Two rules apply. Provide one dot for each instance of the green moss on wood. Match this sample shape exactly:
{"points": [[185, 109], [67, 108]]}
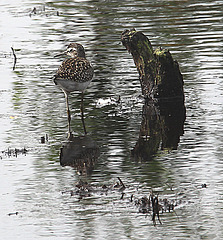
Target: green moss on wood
{"points": [[158, 72]]}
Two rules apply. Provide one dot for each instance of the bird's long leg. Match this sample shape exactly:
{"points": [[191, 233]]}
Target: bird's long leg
{"points": [[82, 112], [68, 114]]}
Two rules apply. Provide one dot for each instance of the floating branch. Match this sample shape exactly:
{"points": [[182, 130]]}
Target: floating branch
{"points": [[42, 11], [149, 204], [13, 152], [14, 213]]}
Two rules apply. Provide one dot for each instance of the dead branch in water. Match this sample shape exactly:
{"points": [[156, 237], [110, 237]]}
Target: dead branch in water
{"points": [[123, 185], [15, 58]]}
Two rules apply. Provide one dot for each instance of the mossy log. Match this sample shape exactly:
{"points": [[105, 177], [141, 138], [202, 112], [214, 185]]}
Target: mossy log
{"points": [[159, 73]]}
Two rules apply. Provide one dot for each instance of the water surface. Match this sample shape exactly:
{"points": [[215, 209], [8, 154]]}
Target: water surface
{"points": [[31, 107]]}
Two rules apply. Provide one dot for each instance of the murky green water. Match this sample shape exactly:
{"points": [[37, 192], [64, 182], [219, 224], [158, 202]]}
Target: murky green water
{"points": [[31, 107]]}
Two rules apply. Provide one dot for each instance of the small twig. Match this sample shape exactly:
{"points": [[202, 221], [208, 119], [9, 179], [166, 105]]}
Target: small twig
{"points": [[123, 185], [14, 213], [15, 58], [122, 196], [155, 206], [34, 11]]}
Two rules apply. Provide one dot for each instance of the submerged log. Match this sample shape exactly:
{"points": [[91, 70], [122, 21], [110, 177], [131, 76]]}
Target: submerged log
{"points": [[159, 73]]}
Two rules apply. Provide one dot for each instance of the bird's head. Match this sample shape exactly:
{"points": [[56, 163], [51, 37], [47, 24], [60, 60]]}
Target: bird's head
{"points": [[75, 50]]}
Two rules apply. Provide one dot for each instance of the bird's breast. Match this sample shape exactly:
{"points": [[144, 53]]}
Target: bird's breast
{"points": [[71, 86]]}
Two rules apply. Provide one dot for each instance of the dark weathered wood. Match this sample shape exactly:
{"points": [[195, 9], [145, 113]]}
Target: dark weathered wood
{"points": [[160, 77], [142, 52], [159, 74], [169, 80], [161, 127]]}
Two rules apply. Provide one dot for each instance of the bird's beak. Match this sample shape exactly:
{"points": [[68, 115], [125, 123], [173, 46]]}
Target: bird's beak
{"points": [[61, 54]]}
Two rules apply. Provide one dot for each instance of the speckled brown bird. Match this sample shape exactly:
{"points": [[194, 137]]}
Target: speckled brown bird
{"points": [[74, 74]]}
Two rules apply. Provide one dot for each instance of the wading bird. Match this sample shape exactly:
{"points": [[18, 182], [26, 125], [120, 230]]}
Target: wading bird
{"points": [[74, 74]]}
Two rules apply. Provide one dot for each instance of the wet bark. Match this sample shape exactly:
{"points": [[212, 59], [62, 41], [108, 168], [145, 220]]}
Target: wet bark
{"points": [[161, 127], [161, 80], [159, 73]]}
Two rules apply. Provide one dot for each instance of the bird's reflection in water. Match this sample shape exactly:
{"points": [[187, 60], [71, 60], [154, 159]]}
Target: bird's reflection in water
{"points": [[81, 153]]}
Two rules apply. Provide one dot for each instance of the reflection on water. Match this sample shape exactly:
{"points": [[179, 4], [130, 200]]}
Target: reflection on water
{"points": [[31, 107], [162, 125], [79, 152]]}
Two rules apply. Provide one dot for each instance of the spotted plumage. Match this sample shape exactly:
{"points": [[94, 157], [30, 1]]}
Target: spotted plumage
{"points": [[75, 69], [74, 74]]}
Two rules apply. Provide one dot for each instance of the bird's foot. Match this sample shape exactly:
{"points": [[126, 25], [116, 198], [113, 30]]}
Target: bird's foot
{"points": [[70, 135]]}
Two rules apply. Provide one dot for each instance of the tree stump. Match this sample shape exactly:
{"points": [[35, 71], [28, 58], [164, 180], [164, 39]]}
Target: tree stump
{"points": [[161, 80], [159, 73]]}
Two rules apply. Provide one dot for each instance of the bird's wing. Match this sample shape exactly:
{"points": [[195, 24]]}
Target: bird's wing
{"points": [[77, 69]]}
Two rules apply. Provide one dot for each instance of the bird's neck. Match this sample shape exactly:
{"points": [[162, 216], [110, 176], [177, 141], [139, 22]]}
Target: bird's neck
{"points": [[81, 54]]}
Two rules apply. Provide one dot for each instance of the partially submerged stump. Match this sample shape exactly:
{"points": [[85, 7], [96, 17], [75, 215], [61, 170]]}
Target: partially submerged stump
{"points": [[161, 79], [159, 74]]}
